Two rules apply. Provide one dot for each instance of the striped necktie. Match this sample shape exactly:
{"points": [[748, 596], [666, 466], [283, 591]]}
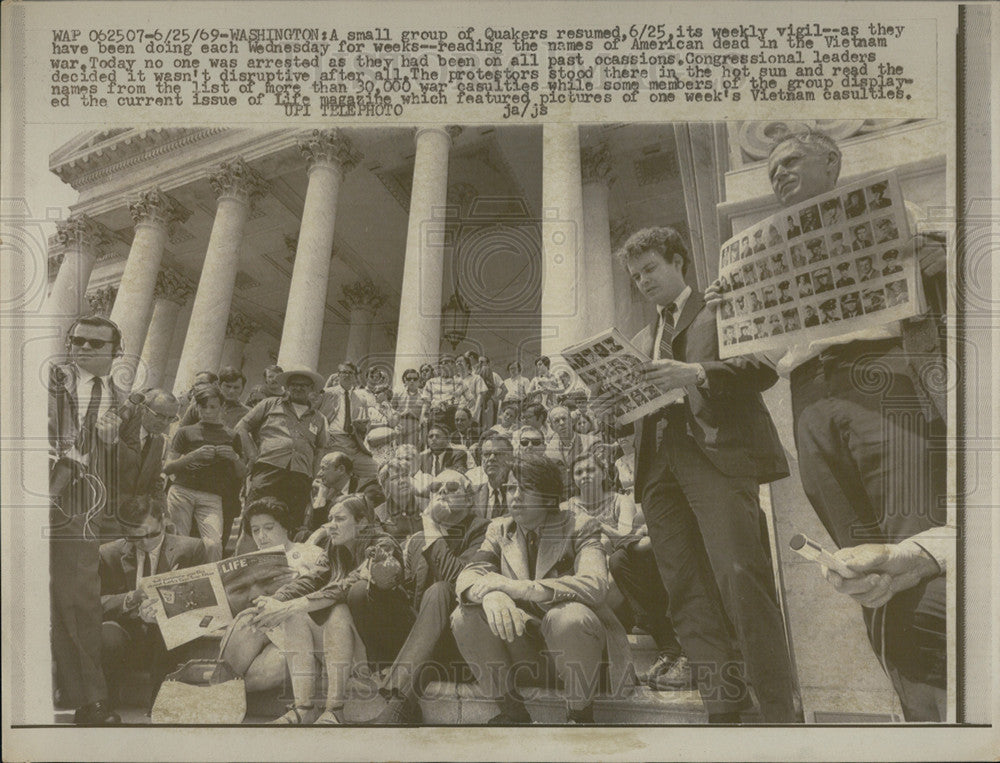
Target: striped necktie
{"points": [[667, 338]]}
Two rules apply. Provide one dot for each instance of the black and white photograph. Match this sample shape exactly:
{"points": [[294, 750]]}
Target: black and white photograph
{"points": [[468, 366]]}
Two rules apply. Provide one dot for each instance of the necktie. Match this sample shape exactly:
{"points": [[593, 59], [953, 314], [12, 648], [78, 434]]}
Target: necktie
{"points": [[531, 540], [499, 507], [147, 565], [667, 338], [146, 447], [90, 417], [348, 422]]}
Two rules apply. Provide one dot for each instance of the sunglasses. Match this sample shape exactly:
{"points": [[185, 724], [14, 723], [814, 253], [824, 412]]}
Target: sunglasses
{"points": [[449, 488], [96, 344], [411, 378], [528, 441], [148, 536]]}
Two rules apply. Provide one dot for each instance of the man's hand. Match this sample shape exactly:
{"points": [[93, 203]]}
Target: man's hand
{"points": [[713, 295], [505, 618], [932, 254], [227, 452], [670, 374], [269, 612], [884, 569], [147, 611], [134, 599], [107, 427], [202, 456], [492, 581], [386, 573]]}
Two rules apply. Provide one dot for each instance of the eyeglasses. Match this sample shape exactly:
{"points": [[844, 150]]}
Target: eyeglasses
{"points": [[411, 379], [449, 488], [96, 344], [160, 416], [528, 441], [148, 536]]}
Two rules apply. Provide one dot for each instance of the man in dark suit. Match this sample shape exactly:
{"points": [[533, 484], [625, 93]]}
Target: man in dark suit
{"points": [[158, 411], [698, 465], [440, 455], [130, 637], [87, 414], [336, 479]]}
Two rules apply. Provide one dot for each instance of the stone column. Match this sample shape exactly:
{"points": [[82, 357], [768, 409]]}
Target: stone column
{"points": [[362, 299], [177, 346], [102, 300], [82, 239], [153, 212], [237, 186], [598, 266], [419, 334], [329, 155], [239, 330], [563, 318], [170, 294]]}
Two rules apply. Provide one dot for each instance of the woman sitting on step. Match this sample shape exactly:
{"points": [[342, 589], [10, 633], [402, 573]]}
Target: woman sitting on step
{"points": [[255, 653], [355, 602]]}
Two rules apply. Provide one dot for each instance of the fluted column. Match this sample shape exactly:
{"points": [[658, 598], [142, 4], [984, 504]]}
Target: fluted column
{"points": [[177, 346], [82, 239], [419, 335], [170, 294], [153, 212], [330, 156], [239, 330], [237, 185], [563, 277], [598, 266], [362, 299]]}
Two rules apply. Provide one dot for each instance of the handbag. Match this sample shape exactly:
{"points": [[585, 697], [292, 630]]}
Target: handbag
{"points": [[202, 692]]}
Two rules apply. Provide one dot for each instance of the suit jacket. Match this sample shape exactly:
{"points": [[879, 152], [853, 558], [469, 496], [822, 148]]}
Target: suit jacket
{"points": [[444, 559], [727, 419], [111, 463], [118, 569], [570, 561], [452, 458]]}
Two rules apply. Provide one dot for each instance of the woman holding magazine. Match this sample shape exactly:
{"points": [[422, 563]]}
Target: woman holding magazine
{"points": [[254, 653], [353, 603]]}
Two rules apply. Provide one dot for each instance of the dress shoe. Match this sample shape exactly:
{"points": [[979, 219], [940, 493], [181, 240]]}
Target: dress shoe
{"points": [[96, 714], [664, 661], [677, 677]]}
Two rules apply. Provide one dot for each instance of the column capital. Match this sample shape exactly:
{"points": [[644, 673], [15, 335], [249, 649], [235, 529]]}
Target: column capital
{"points": [[101, 300], [595, 164], [329, 147], [237, 180], [173, 286], [154, 207], [450, 131], [363, 295], [240, 327], [83, 231]]}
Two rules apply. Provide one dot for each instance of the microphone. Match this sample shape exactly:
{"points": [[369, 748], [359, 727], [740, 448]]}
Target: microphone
{"points": [[813, 551]]}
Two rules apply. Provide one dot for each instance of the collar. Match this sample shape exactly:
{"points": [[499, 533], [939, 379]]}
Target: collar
{"points": [[677, 306]]}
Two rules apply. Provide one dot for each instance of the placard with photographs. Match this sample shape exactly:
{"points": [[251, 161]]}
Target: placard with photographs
{"points": [[611, 365], [827, 266]]}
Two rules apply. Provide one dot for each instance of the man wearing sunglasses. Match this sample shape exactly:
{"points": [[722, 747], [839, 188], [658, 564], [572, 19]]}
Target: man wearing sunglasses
{"points": [[408, 399], [130, 637], [451, 534], [86, 412]]}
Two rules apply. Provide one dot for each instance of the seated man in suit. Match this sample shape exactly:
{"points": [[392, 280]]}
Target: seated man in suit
{"points": [[130, 637], [335, 480], [451, 534], [699, 463], [534, 595], [440, 454], [489, 481]]}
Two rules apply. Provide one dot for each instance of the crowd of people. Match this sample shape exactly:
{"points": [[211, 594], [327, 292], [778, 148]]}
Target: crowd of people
{"points": [[499, 529]]}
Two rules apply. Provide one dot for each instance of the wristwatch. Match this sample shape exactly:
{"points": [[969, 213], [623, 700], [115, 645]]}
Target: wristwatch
{"points": [[702, 377]]}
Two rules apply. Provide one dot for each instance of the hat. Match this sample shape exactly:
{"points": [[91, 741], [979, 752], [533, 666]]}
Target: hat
{"points": [[314, 377], [378, 436]]}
